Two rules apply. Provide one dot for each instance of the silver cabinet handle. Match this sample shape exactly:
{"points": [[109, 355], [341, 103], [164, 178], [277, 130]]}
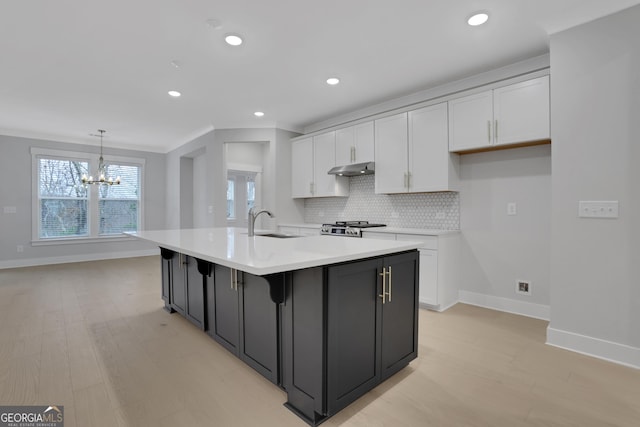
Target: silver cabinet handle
{"points": [[408, 180], [233, 275], [311, 187], [495, 131], [390, 285], [489, 131], [384, 284]]}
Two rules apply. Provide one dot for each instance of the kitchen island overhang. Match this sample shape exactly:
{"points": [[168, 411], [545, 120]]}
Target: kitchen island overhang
{"points": [[325, 318]]}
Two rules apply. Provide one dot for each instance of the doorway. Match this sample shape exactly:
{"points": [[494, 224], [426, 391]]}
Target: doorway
{"points": [[243, 192]]}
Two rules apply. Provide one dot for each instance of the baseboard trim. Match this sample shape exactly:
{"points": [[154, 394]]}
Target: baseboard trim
{"points": [[537, 311], [606, 350], [33, 262]]}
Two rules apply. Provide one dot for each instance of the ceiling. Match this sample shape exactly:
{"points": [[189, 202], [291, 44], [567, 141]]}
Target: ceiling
{"points": [[70, 67]]}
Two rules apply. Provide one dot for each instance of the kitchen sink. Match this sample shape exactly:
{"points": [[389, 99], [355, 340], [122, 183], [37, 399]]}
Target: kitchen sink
{"points": [[277, 235]]}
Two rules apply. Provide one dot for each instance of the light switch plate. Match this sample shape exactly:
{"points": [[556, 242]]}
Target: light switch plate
{"points": [[598, 209], [10, 209]]}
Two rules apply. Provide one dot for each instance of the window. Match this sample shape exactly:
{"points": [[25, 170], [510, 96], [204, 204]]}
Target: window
{"points": [[66, 209], [119, 204], [242, 194], [231, 195], [63, 200]]}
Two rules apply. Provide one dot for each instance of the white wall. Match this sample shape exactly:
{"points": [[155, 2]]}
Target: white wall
{"points": [[595, 268], [276, 193], [15, 190], [498, 249], [200, 207]]}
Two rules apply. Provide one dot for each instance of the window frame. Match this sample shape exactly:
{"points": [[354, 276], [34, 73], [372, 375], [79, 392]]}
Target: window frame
{"points": [[93, 199]]}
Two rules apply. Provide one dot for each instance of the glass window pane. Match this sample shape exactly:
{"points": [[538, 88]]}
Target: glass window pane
{"points": [[251, 193], [117, 216], [61, 178], [63, 218], [231, 209], [129, 187]]}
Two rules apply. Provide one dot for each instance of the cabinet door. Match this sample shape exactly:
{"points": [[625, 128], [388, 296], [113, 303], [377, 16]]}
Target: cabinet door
{"points": [[470, 122], [165, 260], [521, 112], [195, 293], [400, 313], [258, 326], [324, 158], [302, 167], [179, 284], [429, 277], [224, 325], [364, 143], [345, 145], [429, 149], [391, 154], [353, 344]]}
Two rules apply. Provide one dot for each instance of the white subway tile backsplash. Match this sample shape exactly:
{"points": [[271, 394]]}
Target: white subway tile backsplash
{"points": [[439, 211]]}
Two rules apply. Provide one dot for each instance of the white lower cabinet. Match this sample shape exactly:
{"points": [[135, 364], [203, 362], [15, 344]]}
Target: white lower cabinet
{"points": [[429, 277]]}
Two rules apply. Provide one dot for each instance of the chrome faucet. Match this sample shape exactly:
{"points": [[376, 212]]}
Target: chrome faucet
{"points": [[252, 219]]}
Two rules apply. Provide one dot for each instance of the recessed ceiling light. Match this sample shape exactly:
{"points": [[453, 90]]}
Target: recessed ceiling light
{"points": [[174, 93], [258, 114], [333, 81], [233, 39], [478, 19]]}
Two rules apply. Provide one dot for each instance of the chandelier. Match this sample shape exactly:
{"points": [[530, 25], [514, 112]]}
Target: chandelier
{"points": [[102, 179]]}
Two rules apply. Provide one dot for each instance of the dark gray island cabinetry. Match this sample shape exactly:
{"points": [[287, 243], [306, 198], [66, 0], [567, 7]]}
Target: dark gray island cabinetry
{"points": [[346, 328], [242, 317], [326, 319]]}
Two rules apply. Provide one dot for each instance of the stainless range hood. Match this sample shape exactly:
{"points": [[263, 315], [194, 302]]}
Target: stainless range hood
{"points": [[357, 169]]}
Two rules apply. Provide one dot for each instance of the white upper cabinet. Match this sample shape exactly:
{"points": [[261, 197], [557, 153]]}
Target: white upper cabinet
{"points": [[302, 168], [521, 112], [392, 150], [412, 152], [311, 160], [431, 166], [355, 144], [513, 114]]}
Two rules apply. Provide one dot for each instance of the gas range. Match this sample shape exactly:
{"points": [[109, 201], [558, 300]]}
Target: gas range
{"points": [[347, 228]]}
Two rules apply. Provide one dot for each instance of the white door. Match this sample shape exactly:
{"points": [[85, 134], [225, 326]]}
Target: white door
{"points": [[243, 189], [301, 167], [345, 144], [391, 154], [324, 158], [364, 143], [429, 149], [471, 121], [521, 111]]}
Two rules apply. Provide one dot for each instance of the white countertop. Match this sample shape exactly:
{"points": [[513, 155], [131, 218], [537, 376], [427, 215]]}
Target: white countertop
{"points": [[390, 230], [262, 255]]}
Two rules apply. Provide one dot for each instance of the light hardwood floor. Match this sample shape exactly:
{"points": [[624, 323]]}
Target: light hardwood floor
{"points": [[93, 337]]}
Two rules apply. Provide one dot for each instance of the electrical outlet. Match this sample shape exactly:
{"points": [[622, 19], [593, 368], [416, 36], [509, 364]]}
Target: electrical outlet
{"points": [[10, 209], [512, 208], [440, 215], [395, 215], [606, 209], [523, 287]]}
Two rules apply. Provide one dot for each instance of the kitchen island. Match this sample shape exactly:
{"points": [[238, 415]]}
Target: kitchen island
{"points": [[326, 318]]}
